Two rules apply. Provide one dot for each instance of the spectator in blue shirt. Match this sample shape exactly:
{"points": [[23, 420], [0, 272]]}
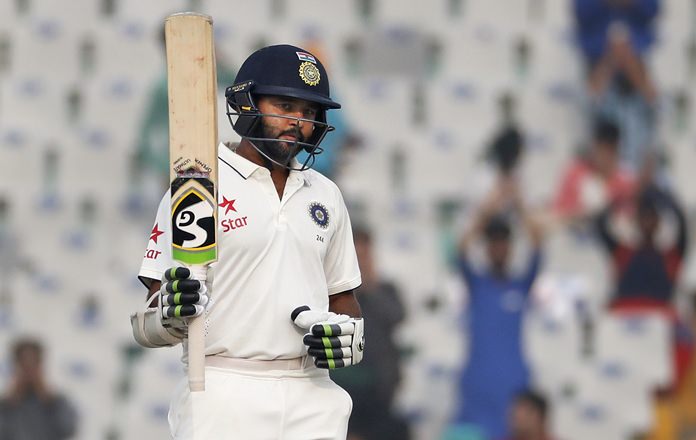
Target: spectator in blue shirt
{"points": [[496, 369], [596, 17], [614, 36]]}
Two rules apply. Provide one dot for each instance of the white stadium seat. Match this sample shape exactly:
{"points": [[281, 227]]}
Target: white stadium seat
{"points": [[46, 48], [642, 342]]}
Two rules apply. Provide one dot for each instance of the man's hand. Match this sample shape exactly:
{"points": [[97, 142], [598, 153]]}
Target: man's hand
{"points": [[334, 341], [181, 296]]}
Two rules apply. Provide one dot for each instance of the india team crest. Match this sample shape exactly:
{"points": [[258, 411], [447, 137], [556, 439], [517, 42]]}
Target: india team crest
{"points": [[319, 214], [309, 73]]}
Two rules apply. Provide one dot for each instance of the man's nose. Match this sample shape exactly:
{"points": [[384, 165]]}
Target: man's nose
{"points": [[296, 120]]}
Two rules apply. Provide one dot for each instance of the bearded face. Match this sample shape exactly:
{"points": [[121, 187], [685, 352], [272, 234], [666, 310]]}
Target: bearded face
{"points": [[286, 146]]}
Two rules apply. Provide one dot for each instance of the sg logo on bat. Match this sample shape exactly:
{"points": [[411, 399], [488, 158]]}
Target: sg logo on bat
{"points": [[193, 221]]}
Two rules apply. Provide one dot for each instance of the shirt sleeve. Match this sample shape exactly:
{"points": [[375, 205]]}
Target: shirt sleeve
{"points": [[532, 271], [63, 418], [604, 232], [341, 262], [465, 268], [158, 254]]}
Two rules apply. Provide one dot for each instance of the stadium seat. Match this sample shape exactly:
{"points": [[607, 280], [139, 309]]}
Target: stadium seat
{"points": [[553, 345], [604, 404], [26, 96], [129, 48], [46, 48], [370, 103], [314, 13], [113, 108], [488, 13], [155, 377], [642, 342], [77, 15], [150, 14], [427, 16], [490, 47], [86, 370]]}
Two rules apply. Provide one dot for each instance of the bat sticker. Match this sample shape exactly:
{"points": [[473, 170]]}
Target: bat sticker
{"points": [[193, 221]]}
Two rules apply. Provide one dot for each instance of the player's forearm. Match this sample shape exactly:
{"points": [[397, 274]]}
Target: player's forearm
{"points": [[600, 76], [532, 225], [345, 303], [473, 231], [154, 287]]}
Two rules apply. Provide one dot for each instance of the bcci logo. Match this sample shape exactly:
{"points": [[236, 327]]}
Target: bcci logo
{"points": [[319, 214], [309, 73]]}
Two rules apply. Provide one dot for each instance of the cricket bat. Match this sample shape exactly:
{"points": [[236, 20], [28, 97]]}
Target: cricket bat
{"points": [[193, 143]]}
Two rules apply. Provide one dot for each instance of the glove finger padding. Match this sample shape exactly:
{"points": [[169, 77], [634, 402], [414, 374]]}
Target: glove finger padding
{"points": [[183, 286], [333, 363], [329, 353], [328, 329], [176, 273], [181, 299], [187, 311], [327, 341], [181, 295], [334, 341]]}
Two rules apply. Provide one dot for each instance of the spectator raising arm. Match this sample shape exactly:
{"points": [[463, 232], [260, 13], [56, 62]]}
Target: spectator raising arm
{"points": [[493, 204]]}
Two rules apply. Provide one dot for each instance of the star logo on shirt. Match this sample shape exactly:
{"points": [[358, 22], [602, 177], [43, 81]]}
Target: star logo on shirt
{"points": [[155, 233], [228, 205]]}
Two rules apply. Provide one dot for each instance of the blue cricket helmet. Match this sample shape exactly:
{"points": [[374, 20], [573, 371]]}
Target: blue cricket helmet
{"points": [[281, 70]]}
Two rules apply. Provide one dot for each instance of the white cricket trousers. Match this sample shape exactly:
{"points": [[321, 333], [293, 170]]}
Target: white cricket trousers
{"points": [[261, 400]]}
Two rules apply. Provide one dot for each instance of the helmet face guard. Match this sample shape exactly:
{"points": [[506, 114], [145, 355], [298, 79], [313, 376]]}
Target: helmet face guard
{"points": [[248, 124], [285, 71]]}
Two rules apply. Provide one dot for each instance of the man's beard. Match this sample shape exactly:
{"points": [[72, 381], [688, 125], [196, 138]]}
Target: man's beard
{"points": [[280, 150]]}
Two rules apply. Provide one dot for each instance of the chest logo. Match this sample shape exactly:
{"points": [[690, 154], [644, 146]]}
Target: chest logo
{"points": [[228, 205], [319, 214]]}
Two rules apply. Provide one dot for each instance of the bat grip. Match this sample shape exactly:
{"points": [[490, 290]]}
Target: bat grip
{"points": [[196, 354]]}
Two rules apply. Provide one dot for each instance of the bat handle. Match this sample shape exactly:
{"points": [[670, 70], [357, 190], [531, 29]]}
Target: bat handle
{"points": [[196, 354]]}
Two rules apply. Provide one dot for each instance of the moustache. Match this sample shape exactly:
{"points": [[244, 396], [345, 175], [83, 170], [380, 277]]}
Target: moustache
{"points": [[295, 133]]}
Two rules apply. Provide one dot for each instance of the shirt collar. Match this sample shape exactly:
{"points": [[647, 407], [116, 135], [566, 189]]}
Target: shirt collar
{"points": [[246, 168]]}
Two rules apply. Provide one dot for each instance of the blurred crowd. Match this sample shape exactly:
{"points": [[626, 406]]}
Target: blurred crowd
{"points": [[537, 356]]}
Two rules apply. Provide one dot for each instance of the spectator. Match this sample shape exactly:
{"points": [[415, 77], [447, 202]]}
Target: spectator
{"points": [[645, 282], [614, 36], [30, 410], [373, 383], [645, 274], [528, 417], [596, 178], [496, 368]]}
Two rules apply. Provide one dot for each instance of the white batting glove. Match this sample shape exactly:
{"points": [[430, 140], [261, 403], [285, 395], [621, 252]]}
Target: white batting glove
{"points": [[334, 341], [182, 296]]}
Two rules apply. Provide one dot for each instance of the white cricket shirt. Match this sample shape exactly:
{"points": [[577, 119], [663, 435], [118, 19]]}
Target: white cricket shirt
{"points": [[273, 256]]}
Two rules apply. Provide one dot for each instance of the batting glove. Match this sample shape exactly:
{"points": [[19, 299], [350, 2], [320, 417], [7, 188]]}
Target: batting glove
{"points": [[333, 340], [182, 296]]}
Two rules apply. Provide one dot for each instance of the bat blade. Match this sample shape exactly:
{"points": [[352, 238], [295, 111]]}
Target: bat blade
{"points": [[193, 142]]}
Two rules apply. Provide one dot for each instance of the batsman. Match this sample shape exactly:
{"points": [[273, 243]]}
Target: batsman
{"points": [[275, 299]]}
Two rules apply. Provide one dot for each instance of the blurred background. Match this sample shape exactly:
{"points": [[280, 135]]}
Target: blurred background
{"points": [[520, 174]]}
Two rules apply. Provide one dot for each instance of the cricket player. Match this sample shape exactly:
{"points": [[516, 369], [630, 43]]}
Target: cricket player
{"points": [[278, 304]]}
